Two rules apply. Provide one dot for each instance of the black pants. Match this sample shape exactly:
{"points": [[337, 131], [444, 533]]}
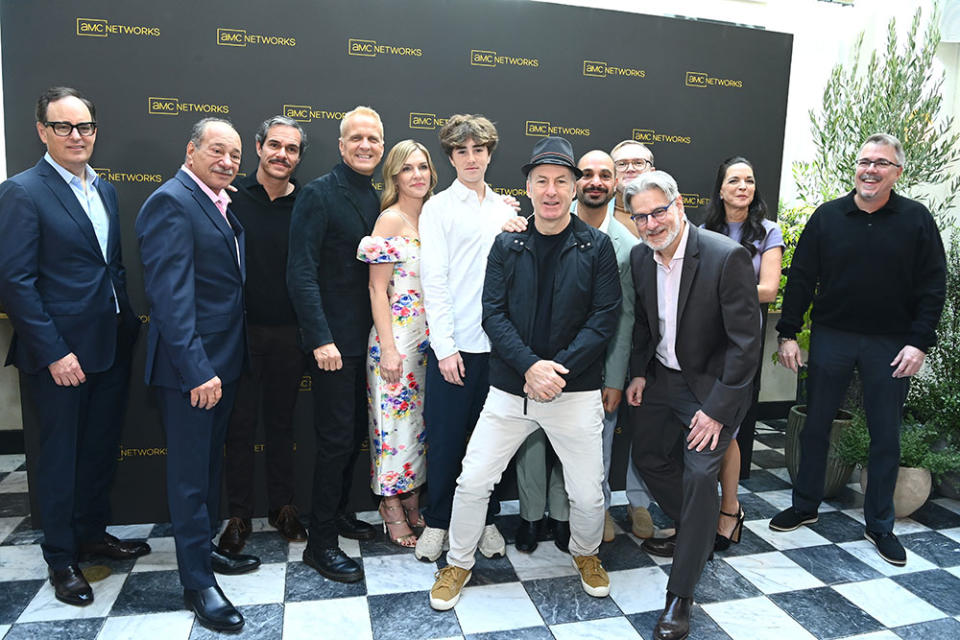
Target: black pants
{"points": [[683, 481], [79, 442], [340, 423], [833, 355], [276, 365]]}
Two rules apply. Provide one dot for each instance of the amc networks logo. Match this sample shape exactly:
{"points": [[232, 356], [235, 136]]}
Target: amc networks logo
{"points": [[694, 200], [484, 58], [595, 69], [542, 128], [101, 28], [240, 38], [306, 113], [111, 175], [425, 120], [371, 49], [650, 137], [701, 80], [516, 192], [175, 106]]}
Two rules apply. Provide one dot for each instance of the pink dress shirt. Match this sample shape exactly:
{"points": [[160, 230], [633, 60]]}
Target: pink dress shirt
{"points": [[668, 296]]}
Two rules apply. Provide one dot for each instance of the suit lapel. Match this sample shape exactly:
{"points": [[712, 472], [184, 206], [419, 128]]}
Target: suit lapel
{"points": [[64, 193], [113, 217], [211, 211], [649, 281], [691, 261]]}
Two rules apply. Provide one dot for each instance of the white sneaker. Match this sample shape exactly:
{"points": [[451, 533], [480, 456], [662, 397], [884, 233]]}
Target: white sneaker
{"points": [[491, 542], [430, 544]]}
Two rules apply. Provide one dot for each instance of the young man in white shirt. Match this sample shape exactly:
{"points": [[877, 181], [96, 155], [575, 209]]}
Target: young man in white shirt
{"points": [[457, 229]]}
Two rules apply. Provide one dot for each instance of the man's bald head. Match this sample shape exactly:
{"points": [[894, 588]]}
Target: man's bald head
{"points": [[597, 185]]}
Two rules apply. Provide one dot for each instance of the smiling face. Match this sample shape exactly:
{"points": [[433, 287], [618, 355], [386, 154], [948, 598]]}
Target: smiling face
{"points": [[738, 187], [71, 152], [595, 188], [216, 158], [874, 183], [361, 145], [280, 152], [659, 235], [631, 160], [550, 188], [413, 180], [471, 161]]}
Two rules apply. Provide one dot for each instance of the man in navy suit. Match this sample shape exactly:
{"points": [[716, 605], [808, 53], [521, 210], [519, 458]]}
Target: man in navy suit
{"points": [[192, 249], [63, 285]]}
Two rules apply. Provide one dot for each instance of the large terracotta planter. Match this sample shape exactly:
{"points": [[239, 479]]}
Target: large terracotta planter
{"points": [[912, 489], [838, 472]]}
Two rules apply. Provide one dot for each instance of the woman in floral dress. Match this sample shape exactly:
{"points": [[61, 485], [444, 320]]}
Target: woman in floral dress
{"points": [[397, 354]]}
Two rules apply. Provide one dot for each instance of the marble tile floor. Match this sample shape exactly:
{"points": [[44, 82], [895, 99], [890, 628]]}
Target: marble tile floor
{"points": [[824, 581]]}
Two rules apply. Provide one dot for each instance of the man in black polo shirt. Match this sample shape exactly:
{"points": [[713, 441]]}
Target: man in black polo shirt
{"points": [[263, 203], [873, 264]]}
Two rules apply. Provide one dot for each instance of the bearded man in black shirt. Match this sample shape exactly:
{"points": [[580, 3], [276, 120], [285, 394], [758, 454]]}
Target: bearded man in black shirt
{"points": [[873, 264]]}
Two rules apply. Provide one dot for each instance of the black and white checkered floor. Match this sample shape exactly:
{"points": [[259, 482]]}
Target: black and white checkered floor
{"points": [[824, 581]]}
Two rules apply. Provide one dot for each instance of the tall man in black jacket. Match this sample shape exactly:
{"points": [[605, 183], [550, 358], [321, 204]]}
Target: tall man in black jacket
{"points": [[328, 288], [872, 262], [551, 300]]}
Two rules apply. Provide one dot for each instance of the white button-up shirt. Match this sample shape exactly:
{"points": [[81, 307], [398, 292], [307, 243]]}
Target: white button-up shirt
{"points": [[668, 298], [457, 230]]}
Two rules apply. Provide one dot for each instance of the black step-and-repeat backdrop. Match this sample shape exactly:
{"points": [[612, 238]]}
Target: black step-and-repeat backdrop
{"points": [[695, 92]]}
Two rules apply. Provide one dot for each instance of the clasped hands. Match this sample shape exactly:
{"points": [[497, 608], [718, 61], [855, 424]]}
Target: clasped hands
{"points": [[544, 381]]}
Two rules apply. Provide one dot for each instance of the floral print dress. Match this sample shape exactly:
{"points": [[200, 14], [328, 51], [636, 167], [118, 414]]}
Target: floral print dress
{"points": [[397, 436]]}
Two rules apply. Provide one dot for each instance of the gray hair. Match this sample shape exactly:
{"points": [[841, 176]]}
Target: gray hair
{"points": [[627, 142], [660, 180], [200, 128], [264, 127], [887, 140]]}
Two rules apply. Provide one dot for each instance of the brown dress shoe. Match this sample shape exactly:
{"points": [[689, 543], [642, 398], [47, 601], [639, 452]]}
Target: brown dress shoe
{"points": [[70, 586], [285, 521], [674, 622], [114, 548], [234, 537]]}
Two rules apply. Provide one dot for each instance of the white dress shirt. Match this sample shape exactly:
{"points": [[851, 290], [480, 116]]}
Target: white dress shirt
{"points": [[668, 298], [457, 230]]}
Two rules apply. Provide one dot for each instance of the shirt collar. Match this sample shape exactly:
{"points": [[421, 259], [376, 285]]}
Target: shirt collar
{"points": [[214, 197], [462, 191], [681, 247], [891, 206], [68, 176]]}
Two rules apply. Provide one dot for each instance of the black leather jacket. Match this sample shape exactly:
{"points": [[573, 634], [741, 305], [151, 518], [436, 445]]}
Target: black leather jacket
{"points": [[586, 306]]}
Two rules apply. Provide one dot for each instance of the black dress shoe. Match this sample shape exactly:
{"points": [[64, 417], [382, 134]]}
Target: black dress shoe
{"points": [[350, 527], [663, 547], [232, 563], [234, 535], [212, 609], [114, 548], [286, 521], [674, 622], [525, 539], [561, 533], [70, 586], [333, 563]]}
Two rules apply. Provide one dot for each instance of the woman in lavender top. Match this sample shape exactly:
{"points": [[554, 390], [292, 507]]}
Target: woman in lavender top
{"points": [[738, 211]]}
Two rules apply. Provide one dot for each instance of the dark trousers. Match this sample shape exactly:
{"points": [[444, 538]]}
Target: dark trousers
{"points": [[340, 423], [194, 463], [833, 355], [683, 481], [79, 445], [450, 413], [276, 365]]}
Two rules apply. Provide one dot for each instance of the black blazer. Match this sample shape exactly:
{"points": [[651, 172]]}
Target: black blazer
{"points": [[718, 322], [54, 281], [327, 284]]}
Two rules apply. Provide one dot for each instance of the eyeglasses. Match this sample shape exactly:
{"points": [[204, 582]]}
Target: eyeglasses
{"points": [[640, 219], [880, 164], [639, 163], [64, 129]]}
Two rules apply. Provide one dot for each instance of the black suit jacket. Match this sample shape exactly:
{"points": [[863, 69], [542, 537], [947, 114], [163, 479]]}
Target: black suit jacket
{"points": [[718, 322], [54, 281], [327, 284]]}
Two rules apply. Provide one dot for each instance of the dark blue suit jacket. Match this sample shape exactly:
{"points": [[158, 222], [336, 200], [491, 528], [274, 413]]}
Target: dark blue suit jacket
{"points": [[54, 281], [194, 283]]}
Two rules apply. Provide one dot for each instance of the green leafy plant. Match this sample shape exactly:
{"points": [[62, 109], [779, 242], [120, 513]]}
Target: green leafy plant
{"points": [[897, 91]]}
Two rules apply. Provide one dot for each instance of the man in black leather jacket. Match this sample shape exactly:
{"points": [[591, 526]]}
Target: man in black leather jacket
{"points": [[551, 300]]}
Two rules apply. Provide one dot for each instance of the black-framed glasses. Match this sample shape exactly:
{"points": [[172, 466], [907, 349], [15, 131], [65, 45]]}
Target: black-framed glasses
{"points": [[656, 214], [64, 129], [880, 164], [639, 163]]}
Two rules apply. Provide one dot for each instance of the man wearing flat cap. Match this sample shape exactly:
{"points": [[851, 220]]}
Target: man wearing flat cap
{"points": [[551, 299]]}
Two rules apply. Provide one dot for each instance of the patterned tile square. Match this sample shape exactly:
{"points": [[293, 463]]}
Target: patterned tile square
{"points": [[935, 586], [831, 564], [173, 625], [774, 572], [497, 607], [602, 629], [638, 590], [756, 618], [935, 547], [402, 616], [304, 583], [86, 629], [341, 618], [943, 629], [825, 615], [719, 581], [561, 600], [936, 516], [888, 602]]}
